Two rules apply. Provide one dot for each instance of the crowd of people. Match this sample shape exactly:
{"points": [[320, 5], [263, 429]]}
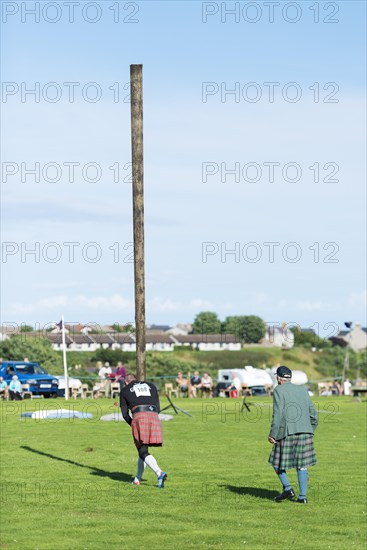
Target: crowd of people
{"points": [[335, 388], [199, 385], [203, 384]]}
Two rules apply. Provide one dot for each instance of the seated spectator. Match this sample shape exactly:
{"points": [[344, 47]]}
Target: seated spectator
{"points": [[195, 384], [181, 382], [104, 374], [335, 388], [15, 389], [207, 385], [105, 371], [3, 388], [235, 386]]}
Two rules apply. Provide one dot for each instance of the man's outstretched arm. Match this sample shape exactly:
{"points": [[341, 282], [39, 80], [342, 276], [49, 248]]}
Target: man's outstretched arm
{"points": [[125, 410]]}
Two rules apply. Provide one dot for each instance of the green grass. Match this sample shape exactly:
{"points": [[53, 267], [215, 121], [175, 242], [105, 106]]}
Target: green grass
{"points": [[58, 494]]}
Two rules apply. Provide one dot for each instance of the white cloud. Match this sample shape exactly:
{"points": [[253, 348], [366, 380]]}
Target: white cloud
{"points": [[201, 304], [40, 305], [115, 302], [163, 304]]}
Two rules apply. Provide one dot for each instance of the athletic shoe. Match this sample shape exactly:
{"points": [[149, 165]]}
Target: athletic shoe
{"points": [[285, 494], [302, 500], [135, 482], [162, 478]]}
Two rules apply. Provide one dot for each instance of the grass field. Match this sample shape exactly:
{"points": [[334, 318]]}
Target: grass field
{"points": [[65, 483]]}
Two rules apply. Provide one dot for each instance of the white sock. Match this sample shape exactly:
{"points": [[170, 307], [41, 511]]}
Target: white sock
{"points": [[141, 468], [152, 463]]}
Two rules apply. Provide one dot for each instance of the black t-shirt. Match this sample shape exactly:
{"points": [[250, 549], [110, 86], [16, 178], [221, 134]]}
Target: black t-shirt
{"points": [[138, 393]]}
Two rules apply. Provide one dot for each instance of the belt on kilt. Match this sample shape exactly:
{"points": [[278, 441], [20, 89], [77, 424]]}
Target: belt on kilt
{"points": [[145, 408]]}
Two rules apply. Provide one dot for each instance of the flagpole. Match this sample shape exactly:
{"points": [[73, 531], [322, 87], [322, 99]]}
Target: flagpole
{"points": [[64, 359]]}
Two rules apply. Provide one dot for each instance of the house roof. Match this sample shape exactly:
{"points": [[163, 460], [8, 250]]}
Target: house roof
{"points": [[123, 338], [57, 338], [82, 339], [157, 329], [102, 338], [206, 338], [159, 339], [336, 341]]}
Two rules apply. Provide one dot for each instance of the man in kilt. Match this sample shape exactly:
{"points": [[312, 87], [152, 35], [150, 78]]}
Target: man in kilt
{"points": [[141, 398], [293, 424]]}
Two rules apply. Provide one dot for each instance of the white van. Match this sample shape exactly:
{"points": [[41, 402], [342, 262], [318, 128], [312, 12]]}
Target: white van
{"points": [[256, 379]]}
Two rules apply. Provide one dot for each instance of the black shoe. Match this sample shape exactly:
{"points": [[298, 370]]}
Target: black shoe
{"points": [[285, 494], [302, 500]]}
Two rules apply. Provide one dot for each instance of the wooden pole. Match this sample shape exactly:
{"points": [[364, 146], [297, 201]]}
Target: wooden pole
{"points": [[136, 89]]}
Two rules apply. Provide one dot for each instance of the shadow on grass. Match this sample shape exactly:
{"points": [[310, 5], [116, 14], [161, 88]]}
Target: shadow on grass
{"points": [[252, 491], [116, 476]]}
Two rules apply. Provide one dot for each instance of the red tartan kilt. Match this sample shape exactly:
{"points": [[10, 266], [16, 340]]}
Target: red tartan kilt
{"points": [[147, 429]]}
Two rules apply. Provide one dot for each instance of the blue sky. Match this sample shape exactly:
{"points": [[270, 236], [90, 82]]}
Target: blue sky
{"points": [[183, 134]]}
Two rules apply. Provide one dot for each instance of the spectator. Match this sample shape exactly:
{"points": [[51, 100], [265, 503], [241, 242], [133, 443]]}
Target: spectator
{"points": [[347, 386], [182, 382], [195, 383], [207, 385], [15, 389], [3, 388], [105, 371], [120, 374], [104, 375], [235, 386], [335, 388]]}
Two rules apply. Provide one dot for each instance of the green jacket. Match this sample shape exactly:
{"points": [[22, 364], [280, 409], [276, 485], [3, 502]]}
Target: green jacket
{"points": [[293, 411]]}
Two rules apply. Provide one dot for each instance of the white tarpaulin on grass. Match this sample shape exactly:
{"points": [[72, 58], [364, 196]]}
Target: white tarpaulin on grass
{"points": [[57, 413]]}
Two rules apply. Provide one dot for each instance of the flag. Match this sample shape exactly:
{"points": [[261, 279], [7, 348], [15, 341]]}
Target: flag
{"points": [[59, 325]]}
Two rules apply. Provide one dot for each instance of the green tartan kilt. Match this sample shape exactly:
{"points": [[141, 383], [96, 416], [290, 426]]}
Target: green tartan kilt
{"points": [[294, 451]]}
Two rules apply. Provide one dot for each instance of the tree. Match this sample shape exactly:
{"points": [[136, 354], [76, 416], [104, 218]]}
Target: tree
{"points": [[206, 322], [248, 328], [113, 356], [35, 349], [26, 328], [308, 338], [235, 324], [255, 329], [129, 327]]}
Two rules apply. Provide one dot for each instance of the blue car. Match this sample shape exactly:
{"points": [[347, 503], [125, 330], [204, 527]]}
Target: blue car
{"points": [[40, 383]]}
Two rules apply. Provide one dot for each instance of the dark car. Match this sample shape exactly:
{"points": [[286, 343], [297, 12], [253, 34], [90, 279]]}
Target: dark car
{"points": [[40, 383], [259, 390]]}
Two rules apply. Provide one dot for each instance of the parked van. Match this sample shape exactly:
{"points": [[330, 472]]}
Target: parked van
{"points": [[256, 379]]}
